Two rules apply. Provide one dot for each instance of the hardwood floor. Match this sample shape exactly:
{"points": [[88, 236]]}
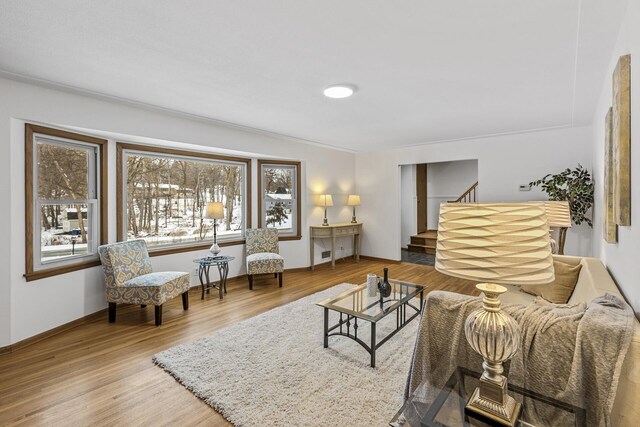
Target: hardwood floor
{"points": [[102, 374]]}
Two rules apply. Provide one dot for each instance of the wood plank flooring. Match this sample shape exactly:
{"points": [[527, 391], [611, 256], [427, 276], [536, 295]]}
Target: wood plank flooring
{"points": [[102, 374]]}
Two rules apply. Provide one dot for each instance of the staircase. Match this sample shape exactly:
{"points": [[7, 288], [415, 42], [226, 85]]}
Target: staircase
{"points": [[426, 242]]}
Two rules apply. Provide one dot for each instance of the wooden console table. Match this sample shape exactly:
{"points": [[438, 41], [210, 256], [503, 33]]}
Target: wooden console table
{"points": [[332, 231]]}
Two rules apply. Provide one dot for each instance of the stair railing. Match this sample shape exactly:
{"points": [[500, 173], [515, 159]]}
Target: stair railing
{"points": [[468, 196]]}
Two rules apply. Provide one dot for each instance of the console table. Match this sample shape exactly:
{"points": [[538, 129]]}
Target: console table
{"points": [[332, 231]]}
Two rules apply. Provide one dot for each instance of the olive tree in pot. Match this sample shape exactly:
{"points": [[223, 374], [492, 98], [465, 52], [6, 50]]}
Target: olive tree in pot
{"points": [[574, 186]]}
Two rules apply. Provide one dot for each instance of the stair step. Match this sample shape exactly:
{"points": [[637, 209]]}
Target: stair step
{"points": [[429, 234], [426, 241], [421, 249]]}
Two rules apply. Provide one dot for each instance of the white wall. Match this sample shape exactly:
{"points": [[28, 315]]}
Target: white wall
{"points": [[29, 308], [447, 181], [504, 162], [621, 258], [408, 204]]}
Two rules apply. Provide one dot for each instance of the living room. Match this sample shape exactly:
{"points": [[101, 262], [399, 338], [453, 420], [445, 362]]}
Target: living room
{"points": [[521, 88]]}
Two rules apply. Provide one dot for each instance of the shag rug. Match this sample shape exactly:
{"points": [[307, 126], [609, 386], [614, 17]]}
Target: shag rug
{"points": [[272, 369]]}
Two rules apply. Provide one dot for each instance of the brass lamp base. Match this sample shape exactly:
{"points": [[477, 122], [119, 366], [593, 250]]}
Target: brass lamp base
{"points": [[325, 222], [495, 336], [490, 400]]}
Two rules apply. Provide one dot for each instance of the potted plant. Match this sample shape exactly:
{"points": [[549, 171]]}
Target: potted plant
{"points": [[573, 185]]}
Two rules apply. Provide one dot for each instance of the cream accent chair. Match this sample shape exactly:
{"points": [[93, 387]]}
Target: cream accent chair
{"points": [[263, 254], [130, 280]]}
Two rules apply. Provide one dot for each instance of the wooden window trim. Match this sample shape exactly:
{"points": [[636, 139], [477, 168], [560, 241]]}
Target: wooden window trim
{"points": [[152, 149], [30, 130], [298, 166]]}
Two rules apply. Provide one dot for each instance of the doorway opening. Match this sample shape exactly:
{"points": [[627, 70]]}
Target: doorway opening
{"points": [[424, 187]]}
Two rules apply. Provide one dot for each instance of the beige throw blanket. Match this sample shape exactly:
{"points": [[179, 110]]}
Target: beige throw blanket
{"points": [[573, 354]]}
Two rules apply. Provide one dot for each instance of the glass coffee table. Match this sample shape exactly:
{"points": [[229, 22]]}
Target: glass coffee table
{"points": [[356, 304], [431, 406]]}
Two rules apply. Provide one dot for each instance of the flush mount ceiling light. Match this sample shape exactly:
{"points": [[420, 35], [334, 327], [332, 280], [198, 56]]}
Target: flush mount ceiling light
{"points": [[340, 91]]}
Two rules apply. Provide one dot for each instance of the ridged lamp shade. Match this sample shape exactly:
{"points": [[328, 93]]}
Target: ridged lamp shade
{"points": [[213, 210], [558, 213], [504, 243]]}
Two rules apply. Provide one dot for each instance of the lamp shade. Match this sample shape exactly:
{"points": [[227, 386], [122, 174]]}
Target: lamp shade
{"points": [[325, 200], [502, 243], [213, 210], [558, 213], [353, 200]]}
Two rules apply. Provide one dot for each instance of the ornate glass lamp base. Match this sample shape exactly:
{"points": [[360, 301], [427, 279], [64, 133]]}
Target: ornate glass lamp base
{"points": [[490, 400]]}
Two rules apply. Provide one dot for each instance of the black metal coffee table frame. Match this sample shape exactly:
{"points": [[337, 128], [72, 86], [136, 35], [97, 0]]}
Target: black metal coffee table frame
{"points": [[348, 317]]}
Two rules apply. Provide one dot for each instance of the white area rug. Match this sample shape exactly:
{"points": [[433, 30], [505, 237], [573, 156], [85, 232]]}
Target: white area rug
{"points": [[272, 369]]}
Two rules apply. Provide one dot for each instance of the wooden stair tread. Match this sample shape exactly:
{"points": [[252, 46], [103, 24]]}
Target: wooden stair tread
{"points": [[424, 242], [421, 249], [429, 234]]}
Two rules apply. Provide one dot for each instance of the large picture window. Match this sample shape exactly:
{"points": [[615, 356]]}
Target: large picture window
{"points": [[163, 192], [279, 202], [65, 203]]}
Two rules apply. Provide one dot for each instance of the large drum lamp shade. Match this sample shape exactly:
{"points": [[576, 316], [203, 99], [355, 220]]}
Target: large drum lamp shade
{"points": [[503, 243]]}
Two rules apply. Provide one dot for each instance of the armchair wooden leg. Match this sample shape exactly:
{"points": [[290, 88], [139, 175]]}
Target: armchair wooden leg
{"points": [[158, 315], [143, 305], [112, 312], [280, 279], [185, 300], [250, 276]]}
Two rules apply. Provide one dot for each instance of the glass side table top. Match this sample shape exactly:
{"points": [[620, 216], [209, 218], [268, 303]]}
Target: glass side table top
{"points": [[358, 303], [430, 406], [210, 260]]}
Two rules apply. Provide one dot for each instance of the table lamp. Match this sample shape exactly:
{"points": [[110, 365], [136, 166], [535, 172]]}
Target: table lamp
{"points": [[498, 243], [558, 215], [214, 211], [325, 200], [353, 200]]}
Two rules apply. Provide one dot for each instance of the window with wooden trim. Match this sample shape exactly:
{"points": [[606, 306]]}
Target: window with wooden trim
{"points": [[65, 177], [279, 201], [162, 193]]}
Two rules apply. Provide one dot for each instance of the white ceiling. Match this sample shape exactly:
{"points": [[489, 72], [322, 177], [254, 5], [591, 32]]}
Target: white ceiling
{"points": [[426, 70]]}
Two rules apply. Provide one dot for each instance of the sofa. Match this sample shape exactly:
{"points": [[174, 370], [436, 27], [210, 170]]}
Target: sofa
{"points": [[594, 280]]}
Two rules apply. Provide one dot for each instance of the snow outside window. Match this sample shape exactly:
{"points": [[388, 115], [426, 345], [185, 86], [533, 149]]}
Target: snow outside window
{"points": [[279, 197], [164, 196]]}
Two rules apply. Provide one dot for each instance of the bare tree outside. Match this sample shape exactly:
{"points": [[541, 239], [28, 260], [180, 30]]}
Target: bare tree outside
{"points": [[166, 198], [63, 175]]}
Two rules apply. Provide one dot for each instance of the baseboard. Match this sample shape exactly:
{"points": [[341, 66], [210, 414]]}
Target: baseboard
{"points": [[372, 258], [52, 332]]}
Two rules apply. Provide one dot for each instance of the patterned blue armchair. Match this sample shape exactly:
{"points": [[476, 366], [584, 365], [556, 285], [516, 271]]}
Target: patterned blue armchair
{"points": [[130, 280], [262, 254]]}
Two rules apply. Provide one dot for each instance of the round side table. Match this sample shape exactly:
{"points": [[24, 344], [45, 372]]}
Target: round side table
{"points": [[204, 264]]}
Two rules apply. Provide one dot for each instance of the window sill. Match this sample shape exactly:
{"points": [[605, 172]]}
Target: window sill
{"points": [[56, 271], [191, 248], [284, 238]]}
